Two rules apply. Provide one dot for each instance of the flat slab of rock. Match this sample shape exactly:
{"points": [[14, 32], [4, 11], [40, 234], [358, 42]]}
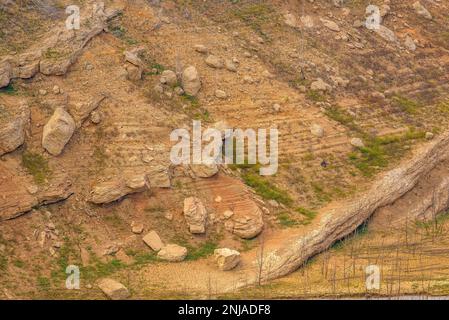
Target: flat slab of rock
{"points": [[58, 131], [227, 259], [195, 214], [153, 240], [172, 253], [109, 191], [114, 290]]}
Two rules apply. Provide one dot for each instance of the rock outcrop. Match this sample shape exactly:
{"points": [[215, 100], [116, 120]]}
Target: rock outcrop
{"points": [[109, 191]]}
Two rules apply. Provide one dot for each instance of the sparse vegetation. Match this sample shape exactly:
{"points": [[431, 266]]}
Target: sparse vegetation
{"points": [[36, 165], [405, 104]]}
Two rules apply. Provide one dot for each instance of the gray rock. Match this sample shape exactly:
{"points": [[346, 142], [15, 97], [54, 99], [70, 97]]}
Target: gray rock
{"points": [[191, 82]]}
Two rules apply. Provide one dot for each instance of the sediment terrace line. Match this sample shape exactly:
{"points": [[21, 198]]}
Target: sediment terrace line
{"points": [[338, 222]]}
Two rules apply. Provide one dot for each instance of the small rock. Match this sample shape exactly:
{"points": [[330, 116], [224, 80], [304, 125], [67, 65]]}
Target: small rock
{"points": [[227, 214], [227, 259], [429, 135], [317, 130], [220, 94], [169, 77], [357, 142], [42, 92], [214, 62], [153, 240], [201, 48], [230, 65], [56, 90], [136, 228], [276, 107], [95, 117], [113, 289]]}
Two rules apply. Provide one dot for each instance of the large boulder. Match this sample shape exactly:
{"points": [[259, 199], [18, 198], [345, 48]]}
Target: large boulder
{"points": [[109, 191], [172, 253], [227, 259], [58, 131], [12, 128], [191, 82], [195, 214], [153, 240], [114, 290], [247, 221]]}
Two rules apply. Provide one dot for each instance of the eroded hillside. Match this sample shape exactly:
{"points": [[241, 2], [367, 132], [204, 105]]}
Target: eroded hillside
{"points": [[86, 117]]}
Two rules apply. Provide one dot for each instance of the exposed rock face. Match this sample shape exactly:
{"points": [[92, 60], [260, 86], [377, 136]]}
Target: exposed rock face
{"points": [[195, 214], [204, 170], [153, 240], [58, 131], [12, 128], [172, 253], [159, 177], [19, 196], [109, 191], [227, 259], [191, 82], [113, 289]]}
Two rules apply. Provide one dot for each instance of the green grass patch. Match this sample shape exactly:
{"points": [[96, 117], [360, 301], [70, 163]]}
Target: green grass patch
{"points": [[379, 151], [266, 189], [307, 213], [43, 283], [315, 95], [406, 105], [344, 118], [203, 251], [36, 165]]}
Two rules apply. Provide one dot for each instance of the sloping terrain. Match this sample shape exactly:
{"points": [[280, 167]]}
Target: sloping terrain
{"points": [[86, 117]]}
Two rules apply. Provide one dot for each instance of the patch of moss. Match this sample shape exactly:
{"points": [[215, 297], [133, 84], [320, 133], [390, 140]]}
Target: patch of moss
{"points": [[36, 165], [407, 105]]}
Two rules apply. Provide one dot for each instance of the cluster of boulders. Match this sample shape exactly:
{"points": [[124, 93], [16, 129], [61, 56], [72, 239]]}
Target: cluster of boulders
{"points": [[167, 252]]}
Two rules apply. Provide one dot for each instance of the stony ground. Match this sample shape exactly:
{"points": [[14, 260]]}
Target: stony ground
{"points": [[350, 103]]}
